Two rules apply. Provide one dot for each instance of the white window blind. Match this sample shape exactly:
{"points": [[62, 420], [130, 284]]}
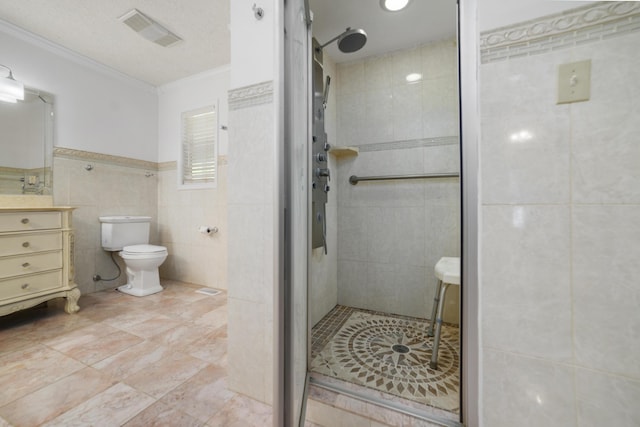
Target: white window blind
{"points": [[199, 146]]}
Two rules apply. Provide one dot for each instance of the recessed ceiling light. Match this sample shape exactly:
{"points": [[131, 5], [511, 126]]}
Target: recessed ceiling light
{"points": [[393, 5], [413, 77]]}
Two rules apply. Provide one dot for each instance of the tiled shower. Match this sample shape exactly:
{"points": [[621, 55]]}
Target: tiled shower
{"points": [[390, 234]]}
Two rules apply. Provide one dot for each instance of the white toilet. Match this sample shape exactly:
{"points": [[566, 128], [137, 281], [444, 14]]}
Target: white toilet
{"points": [[130, 235]]}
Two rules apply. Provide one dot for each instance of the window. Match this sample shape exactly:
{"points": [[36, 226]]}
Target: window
{"points": [[199, 152]]}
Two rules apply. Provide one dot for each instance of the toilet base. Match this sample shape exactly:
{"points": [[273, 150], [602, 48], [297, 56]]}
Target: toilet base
{"points": [[131, 290]]}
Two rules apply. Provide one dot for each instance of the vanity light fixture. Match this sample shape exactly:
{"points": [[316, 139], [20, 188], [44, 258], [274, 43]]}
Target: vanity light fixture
{"points": [[393, 5], [11, 90]]}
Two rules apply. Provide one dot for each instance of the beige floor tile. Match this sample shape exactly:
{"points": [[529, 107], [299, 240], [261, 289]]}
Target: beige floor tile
{"points": [[170, 346], [112, 407], [214, 319], [103, 347], [210, 347], [182, 335], [132, 360], [27, 370], [124, 321], [53, 400], [153, 326], [161, 415], [79, 337], [203, 395], [202, 307], [158, 378], [243, 412]]}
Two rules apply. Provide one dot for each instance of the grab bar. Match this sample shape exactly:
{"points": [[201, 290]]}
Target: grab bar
{"points": [[355, 179]]}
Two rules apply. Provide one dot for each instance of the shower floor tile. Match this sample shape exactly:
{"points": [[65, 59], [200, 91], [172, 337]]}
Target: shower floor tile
{"points": [[389, 354]]}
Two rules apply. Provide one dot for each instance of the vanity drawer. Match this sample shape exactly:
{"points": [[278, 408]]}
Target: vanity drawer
{"points": [[27, 243], [27, 264], [32, 284], [27, 221]]}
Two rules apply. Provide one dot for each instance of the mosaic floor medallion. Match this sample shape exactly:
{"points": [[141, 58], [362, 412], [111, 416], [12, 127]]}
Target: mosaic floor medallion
{"points": [[392, 355]]}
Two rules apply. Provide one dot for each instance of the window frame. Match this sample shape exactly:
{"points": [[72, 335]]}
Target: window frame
{"points": [[190, 185]]}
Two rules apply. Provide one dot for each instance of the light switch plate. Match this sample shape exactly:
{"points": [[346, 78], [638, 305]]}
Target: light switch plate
{"points": [[574, 82]]}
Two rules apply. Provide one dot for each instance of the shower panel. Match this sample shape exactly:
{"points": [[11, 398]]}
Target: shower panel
{"points": [[321, 174]]}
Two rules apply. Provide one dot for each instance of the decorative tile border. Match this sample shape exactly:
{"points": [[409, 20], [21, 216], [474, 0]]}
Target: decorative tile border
{"points": [[578, 26], [249, 96], [411, 143], [167, 166], [70, 153]]}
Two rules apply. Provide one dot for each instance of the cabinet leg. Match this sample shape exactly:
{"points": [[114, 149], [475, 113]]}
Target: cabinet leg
{"points": [[72, 301]]}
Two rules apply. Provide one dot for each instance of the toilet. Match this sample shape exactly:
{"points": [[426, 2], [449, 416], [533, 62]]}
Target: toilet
{"points": [[130, 236]]}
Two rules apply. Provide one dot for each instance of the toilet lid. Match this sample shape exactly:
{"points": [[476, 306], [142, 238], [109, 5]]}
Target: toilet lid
{"points": [[143, 249]]}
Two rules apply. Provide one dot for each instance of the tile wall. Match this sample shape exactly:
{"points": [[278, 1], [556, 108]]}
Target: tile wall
{"points": [[252, 248], [120, 186], [193, 257], [560, 229], [114, 186], [392, 233]]}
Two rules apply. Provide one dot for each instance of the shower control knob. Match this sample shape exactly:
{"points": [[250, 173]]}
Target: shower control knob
{"points": [[326, 188], [327, 146], [321, 157], [321, 172]]}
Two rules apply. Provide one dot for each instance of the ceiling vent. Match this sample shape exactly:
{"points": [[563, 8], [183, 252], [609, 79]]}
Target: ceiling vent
{"points": [[148, 28]]}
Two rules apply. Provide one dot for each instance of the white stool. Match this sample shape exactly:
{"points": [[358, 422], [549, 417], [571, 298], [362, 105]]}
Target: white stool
{"points": [[448, 273]]}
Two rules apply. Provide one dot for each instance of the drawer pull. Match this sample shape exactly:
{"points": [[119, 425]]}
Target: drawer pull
{"points": [[25, 265], [25, 286], [25, 245], [25, 220]]}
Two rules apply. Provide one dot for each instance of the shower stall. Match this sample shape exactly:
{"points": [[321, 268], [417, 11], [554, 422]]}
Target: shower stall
{"points": [[385, 207]]}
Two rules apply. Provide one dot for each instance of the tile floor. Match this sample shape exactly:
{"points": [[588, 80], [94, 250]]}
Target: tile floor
{"points": [[153, 361], [388, 354]]}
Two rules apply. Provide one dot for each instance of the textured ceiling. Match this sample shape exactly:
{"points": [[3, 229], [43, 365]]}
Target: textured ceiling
{"points": [[92, 28]]}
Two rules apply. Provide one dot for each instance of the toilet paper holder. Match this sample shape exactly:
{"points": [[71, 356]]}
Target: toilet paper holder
{"points": [[204, 229]]}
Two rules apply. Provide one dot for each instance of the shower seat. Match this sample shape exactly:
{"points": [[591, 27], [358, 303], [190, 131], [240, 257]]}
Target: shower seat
{"points": [[448, 273]]}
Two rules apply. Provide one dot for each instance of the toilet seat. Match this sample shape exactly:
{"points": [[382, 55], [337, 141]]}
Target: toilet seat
{"points": [[143, 251]]}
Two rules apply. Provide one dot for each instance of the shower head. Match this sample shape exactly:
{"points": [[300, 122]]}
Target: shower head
{"points": [[349, 41]]}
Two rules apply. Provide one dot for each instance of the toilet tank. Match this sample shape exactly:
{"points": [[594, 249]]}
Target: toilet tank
{"points": [[120, 231]]}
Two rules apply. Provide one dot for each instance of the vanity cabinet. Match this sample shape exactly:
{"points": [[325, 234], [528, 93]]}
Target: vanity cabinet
{"points": [[36, 258]]}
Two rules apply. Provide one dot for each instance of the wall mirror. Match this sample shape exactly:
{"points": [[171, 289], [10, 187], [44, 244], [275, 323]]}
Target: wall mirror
{"points": [[26, 144]]}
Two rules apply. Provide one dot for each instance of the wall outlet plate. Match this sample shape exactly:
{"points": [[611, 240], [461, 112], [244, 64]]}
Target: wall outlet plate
{"points": [[574, 82]]}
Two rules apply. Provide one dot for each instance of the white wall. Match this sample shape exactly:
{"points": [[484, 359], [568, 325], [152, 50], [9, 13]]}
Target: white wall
{"points": [[96, 109], [253, 52], [193, 92]]}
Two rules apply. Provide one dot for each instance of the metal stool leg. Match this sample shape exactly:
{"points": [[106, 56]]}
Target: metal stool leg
{"points": [[436, 340], [434, 310]]}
